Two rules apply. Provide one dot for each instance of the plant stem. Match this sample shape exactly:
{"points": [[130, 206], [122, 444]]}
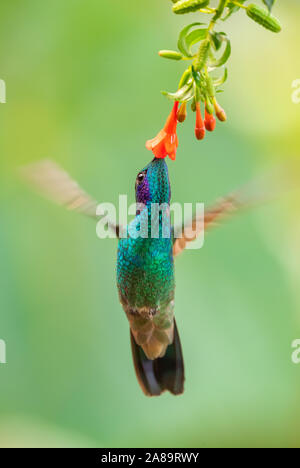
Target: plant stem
{"points": [[218, 14], [208, 10], [240, 5]]}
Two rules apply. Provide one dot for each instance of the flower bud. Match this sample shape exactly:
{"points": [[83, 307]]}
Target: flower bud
{"points": [[264, 18], [185, 78], [209, 106], [182, 113], [170, 54], [220, 113], [186, 6], [209, 121], [199, 128]]}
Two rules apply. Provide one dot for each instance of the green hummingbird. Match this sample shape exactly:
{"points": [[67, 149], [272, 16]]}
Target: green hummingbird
{"points": [[145, 264], [146, 284]]}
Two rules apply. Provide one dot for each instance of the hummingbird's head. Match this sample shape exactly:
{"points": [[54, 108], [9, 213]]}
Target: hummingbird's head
{"points": [[152, 183]]}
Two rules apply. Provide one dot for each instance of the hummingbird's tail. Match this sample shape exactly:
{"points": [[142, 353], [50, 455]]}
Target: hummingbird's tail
{"points": [[161, 374]]}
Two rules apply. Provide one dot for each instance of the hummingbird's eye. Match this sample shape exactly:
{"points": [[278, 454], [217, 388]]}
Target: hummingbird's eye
{"points": [[141, 176]]}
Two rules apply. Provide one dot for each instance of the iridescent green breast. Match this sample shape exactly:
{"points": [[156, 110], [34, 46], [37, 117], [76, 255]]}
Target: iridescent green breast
{"points": [[145, 267], [145, 272]]}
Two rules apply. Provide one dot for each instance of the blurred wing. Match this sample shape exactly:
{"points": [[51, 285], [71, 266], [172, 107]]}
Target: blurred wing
{"points": [[216, 213], [52, 182], [262, 190]]}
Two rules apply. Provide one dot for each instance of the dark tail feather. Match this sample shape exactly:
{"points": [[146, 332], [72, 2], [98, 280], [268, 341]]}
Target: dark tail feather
{"points": [[161, 374]]}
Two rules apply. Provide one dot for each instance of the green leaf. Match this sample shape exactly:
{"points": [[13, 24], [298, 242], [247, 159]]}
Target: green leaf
{"points": [[187, 38], [183, 94], [269, 4], [197, 77], [220, 9], [217, 39], [194, 37], [225, 56], [222, 79], [232, 8]]}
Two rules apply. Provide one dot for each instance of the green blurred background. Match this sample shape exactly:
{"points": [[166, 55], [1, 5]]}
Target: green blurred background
{"points": [[83, 87]]}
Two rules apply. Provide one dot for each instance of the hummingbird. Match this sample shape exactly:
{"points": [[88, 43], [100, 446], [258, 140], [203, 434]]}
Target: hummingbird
{"points": [[145, 264]]}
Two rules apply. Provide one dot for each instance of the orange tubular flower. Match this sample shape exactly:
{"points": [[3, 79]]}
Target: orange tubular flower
{"points": [[200, 128], [166, 142], [209, 121]]}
